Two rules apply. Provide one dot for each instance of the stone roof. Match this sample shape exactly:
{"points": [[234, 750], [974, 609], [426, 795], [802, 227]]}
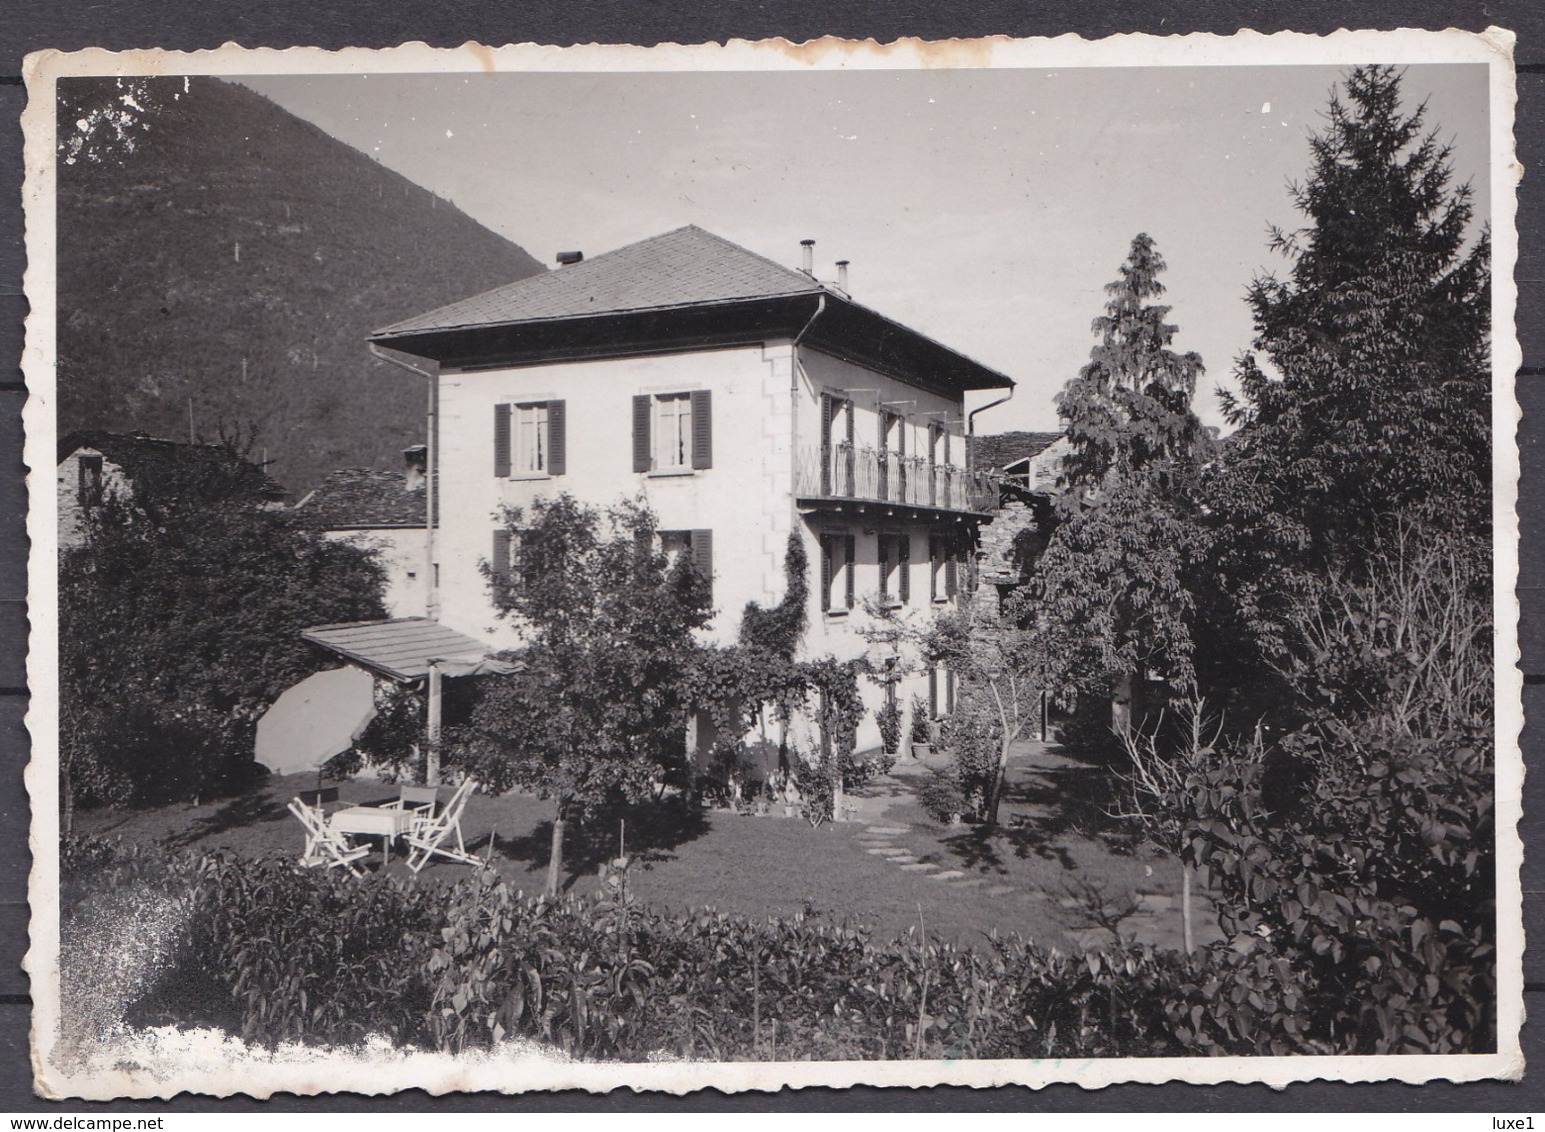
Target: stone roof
{"points": [[1002, 449], [353, 498], [686, 267], [172, 470]]}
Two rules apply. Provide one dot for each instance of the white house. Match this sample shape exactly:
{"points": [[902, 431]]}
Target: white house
{"points": [[385, 512], [743, 400]]}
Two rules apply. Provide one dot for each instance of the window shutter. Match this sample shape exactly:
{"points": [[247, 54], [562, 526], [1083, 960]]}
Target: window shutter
{"points": [[500, 565], [904, 568], [883, 544], [702, 428], [852, 423], [702, 555], [849, 548], [642, 458], [557, 442], [502, 441], [949, 575], [827, 550], [933, 692], [946, 445], [949, 691], [826, 444]]}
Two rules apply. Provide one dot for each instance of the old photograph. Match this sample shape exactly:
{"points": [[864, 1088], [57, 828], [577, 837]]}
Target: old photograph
{"points": [[750, 564]]}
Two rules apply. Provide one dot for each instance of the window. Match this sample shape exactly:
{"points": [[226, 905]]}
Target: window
{"points": [[90, 486], [698, 544], [941, 691], [529, 439], [895, 569], [838, 426], [837, 555], [943, 568], [673, 432]]}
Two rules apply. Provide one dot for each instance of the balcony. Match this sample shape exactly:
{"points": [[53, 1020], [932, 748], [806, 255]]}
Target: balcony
{"points": [[843, 478]]}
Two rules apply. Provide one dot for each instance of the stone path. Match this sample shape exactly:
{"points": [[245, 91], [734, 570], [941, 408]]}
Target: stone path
{"points": [[879, 840]]}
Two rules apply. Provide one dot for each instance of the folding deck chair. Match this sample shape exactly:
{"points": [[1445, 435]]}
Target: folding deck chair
{"points": [[420, 800], [428, 835], [324, 844]]}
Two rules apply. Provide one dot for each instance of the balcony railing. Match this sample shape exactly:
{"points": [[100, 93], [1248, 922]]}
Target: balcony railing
{"points": [[840, 471]]}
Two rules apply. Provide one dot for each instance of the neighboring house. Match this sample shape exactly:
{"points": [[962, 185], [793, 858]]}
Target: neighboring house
{"points": [[1028, 465], [385, 511], [96, 466], [743, 400]]}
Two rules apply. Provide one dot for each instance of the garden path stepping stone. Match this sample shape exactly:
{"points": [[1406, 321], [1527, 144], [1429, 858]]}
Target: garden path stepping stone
{"points": [[970, 882], [1001, 890], [917, 866], [882, 850], [902, 859], [892, 830], [947, 874]]}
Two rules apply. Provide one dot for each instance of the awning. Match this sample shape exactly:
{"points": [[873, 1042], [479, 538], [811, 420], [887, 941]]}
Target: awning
{"points": [[404, 648]]}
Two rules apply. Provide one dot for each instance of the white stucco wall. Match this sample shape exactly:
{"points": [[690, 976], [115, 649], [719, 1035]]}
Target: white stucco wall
{"points": [[71, 517], [747, 498], [744, 498], [403, 552]]}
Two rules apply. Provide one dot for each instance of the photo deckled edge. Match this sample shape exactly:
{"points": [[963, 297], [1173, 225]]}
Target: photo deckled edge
{"points": [[378, 1071]]}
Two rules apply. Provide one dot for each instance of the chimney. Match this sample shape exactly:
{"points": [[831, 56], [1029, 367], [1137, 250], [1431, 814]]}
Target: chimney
{"points": [[807, 257], [415, 466], [568, 259], [842, 276]]}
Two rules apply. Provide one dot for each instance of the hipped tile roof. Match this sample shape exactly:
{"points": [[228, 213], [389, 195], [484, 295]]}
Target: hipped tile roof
{"points": [[686, 267]]}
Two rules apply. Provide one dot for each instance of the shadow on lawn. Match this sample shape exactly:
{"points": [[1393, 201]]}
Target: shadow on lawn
{"points": [[243, 810], [652, 830], [1041, 808]]}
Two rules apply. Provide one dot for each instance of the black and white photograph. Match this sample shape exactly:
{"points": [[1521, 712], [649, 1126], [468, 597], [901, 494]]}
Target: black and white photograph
{"points": [[741, 566]]}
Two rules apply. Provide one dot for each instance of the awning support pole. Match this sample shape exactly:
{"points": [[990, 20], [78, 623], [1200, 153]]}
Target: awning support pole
{"points": [[432, 758]]}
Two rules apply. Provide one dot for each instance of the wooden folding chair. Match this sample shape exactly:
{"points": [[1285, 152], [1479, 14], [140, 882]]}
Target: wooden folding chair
{"points": [[420, 800], [428, 836], [325, 845]]}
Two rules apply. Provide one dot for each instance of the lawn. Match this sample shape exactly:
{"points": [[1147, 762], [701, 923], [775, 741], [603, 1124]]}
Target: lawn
{"points": [[1055, 855]]}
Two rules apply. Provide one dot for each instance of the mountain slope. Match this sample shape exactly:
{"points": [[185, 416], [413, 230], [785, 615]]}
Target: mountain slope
{"points": [[215, 249]]}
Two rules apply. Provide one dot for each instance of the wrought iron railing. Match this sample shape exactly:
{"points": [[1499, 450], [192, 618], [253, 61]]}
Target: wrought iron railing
{"points": [[840, 471]]}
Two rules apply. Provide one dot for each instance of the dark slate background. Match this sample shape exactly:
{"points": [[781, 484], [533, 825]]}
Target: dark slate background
{"points": [[195, 24]]}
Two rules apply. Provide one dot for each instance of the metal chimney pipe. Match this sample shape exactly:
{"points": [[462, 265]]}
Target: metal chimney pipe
{"points": [[807, 257], [842, 276]]}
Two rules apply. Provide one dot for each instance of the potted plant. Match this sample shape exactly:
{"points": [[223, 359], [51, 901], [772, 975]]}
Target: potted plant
{"points": [[921, 733]]}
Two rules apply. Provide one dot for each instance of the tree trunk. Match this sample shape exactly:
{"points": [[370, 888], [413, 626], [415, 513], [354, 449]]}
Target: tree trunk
{"points": [[1185, 908], [1121, 704], [69, 804], [555, 857], [998, 780]]}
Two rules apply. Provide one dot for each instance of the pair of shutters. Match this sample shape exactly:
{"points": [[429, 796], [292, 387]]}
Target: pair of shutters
{"points": [[702, 430], [557, 442], [831, 546], [502, 561], [903, 545], [830, 407]]}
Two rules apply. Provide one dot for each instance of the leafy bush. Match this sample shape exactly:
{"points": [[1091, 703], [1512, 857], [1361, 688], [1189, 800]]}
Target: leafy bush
{"points": [[888, 716], [940, 795]]}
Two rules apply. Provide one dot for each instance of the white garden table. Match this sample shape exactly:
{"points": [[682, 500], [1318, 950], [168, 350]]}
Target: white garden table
{"points": [[374, 821]]}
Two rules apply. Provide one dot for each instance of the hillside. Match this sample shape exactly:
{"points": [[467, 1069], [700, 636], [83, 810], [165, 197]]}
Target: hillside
{"points": [[215, 249]]}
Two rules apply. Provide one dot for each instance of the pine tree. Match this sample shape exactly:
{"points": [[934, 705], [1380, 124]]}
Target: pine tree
{"points": [[1115, 586], [1128, 412], [1374, 394]]}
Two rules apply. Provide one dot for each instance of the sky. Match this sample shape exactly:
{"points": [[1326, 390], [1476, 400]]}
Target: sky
{"points": [[986, 208]]}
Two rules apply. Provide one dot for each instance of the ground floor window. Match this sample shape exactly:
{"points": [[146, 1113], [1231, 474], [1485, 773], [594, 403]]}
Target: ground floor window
{"points": [[838, 552]]}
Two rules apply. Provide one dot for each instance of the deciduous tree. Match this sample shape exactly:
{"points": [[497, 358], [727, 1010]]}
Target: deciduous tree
{"points": [[599, 708]]}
